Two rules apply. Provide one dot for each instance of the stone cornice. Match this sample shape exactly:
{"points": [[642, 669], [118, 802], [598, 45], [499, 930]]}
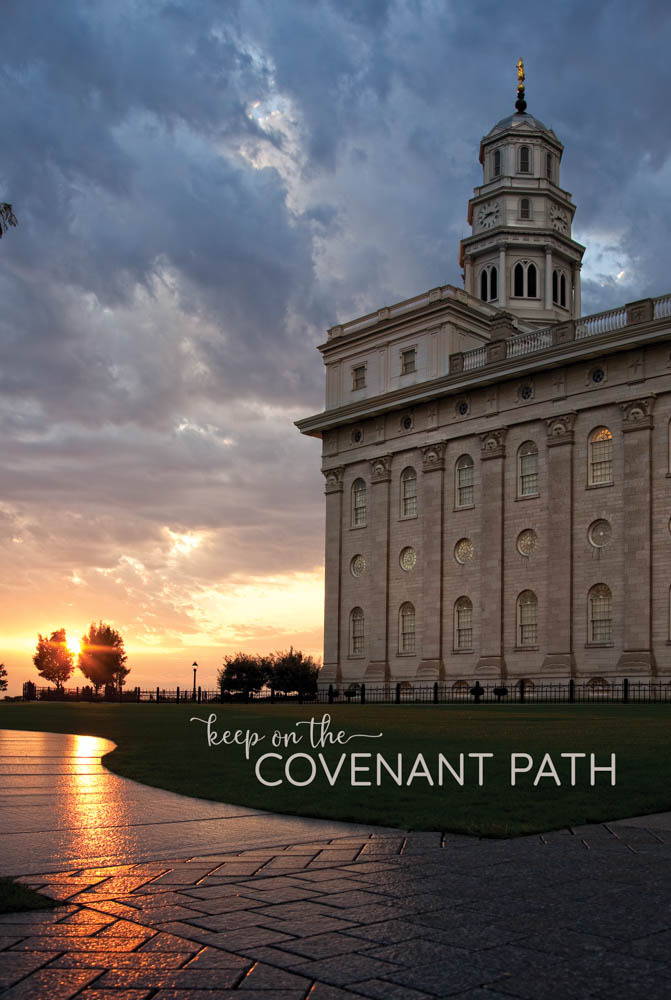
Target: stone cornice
{"points": [[457, 383]]}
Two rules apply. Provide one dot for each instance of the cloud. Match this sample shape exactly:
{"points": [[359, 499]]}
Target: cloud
{"points": [[202, 187]]}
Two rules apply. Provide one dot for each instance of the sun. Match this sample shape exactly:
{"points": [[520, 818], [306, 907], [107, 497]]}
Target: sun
{"points": [[74, 645]]}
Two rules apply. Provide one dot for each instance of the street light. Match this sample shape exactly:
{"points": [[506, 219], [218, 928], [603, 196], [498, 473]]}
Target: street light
{"points": [[195, 667]]}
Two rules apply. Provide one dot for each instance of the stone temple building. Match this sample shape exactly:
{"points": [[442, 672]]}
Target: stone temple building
{"points": [[498, 466]]}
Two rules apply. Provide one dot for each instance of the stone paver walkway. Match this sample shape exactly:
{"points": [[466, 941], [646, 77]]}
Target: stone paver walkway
{"points": [[565, 916]]}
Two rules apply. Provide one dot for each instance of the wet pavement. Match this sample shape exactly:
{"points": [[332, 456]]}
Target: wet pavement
{"points": [[60, 808], [568, 915]]}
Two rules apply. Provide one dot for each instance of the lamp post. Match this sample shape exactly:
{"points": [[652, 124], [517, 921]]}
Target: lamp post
{"points": [[195, 667]]}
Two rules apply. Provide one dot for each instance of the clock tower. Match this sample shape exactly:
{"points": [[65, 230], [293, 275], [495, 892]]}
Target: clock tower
{"points": [[520, 256]]}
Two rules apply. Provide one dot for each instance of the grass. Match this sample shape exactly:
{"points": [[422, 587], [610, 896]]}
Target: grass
{"points": [[158, 745], [16, 898]]}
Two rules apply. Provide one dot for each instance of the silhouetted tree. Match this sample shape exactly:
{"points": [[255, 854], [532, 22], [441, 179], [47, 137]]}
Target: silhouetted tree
{"points": [[53, 659], [102, 658], [3, 677], [243, 673], [294, 671], [7, 217]]}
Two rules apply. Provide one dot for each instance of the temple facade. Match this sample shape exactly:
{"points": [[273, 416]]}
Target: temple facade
{"points": [[497, 466]]}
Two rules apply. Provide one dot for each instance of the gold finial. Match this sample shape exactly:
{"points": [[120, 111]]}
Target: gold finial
{"points": [[520, 103], [520, 74]]}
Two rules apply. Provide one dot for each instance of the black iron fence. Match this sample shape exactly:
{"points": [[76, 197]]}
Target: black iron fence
{"points": [[461, 692]]}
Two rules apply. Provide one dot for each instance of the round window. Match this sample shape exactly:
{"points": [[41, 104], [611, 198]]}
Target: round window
{"points": [[464, 550], [407, 558], [357, 567], [527, 542], [462, 407], [599, 533], [357, 437], [598, 375], [406, 423]]}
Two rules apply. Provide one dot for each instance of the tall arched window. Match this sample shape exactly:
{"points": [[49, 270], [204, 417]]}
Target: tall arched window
{"points": [[525, 279], [600, 613], [562, 290], [527, 470], [406, 628], [463, 623], [493, 283], [464, 482], [357, 633], [359, 504], [555, 286], [489, 283], [532, 281], [408, 493], [525, 208], [549, 166], [525, 160], [600, 470], [496, 168], [527, 619], [484, 284]]}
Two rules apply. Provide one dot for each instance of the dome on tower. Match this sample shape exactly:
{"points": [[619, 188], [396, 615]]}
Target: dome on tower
{"points": [[521, 121]]}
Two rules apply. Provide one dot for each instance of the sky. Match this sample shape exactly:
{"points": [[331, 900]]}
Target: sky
{"points": [[202, 188]]}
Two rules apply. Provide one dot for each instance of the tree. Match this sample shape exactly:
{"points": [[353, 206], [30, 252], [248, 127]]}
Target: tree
{"points": [[3, 677], [7, 217], [53, 659], [103, 656], [243, 673], [293, 671]]}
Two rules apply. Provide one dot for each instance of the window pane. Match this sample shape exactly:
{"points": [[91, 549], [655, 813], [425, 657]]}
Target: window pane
{"points": [[531, 281]]}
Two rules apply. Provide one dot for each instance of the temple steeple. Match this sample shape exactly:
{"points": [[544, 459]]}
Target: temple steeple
{"points": [[521, 255]]}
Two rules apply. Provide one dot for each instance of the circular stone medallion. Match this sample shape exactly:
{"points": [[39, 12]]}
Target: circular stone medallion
{"points": [[527, 542], [464, 550], [599, 533], [357, 567], [407, 558]]}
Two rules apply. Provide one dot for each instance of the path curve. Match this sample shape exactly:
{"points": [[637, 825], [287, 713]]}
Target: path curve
{"points": [[61, 809]]}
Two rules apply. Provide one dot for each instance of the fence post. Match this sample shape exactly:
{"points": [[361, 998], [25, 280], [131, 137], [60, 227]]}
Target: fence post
{"points": [[158, 696], [137, 693], [435, 692], [178, 696], [398, 694], [330, 694], [571, 689], [363, 694], [625, 689], [272, 695], [522, 689], [199, 694]]}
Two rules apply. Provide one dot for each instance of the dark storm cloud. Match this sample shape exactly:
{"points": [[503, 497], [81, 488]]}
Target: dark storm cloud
{"points": [[203, 187]]}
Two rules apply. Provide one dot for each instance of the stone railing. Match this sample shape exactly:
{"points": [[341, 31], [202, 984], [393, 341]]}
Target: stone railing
{"points": [[534, 341]]}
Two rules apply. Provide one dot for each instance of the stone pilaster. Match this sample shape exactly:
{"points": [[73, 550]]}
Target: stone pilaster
{"points": [[637, 656], [560, 660], [431, 667], [548, 277], [332, 669], [491, 662], [377, 614]]}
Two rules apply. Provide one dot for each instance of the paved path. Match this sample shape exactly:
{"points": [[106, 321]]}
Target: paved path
{"points": [[61, 808], [576, 914]]}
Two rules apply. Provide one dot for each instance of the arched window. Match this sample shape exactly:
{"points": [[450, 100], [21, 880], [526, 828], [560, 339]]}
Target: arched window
{"points": [[464, 482], [600, 613], [356, 632], [527, 619], [549, 165], [531, 281], [484, 285], [408, 493], [496, 167], [559, 288], [518, 280], [562, 290], [493, 284], [600, 446], [527, 470], [525, 208], [555, 286], [463, 623], [525, 160], [359, 503], [406, 628]]}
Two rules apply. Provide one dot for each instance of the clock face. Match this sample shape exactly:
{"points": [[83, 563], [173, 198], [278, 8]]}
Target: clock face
{"points": [[559, 219], [488, 215]]}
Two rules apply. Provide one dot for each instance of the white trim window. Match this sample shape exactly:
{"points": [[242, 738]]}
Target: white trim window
{"points": [[527, 470], [464, 482], [408, 499], [406, 628], [600, 613], [357, 632], [408, 360], [359, 504], [527, 619], [463, 623], [600, 463]]}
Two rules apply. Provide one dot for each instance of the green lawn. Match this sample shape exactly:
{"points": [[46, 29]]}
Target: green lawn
{"points": [[157, 745], [16, 898]]}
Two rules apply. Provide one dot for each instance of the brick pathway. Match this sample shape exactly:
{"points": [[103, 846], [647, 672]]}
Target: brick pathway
{"points": [[574, 914]]}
